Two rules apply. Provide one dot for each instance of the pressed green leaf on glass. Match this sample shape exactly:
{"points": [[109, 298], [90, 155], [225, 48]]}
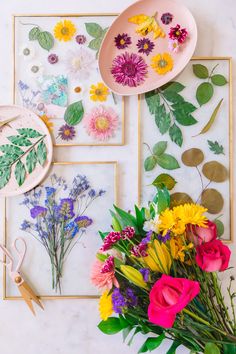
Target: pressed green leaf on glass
{"points": [[74, 113], [200, 71], [150, 163], [204, 93], [159, 148], [46, 40], [167, 162], [94, 29], [176, 134]]}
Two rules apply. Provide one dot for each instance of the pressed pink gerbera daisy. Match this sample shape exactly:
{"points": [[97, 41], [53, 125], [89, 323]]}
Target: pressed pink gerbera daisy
{"points": [[101, 123], [129, 69]]}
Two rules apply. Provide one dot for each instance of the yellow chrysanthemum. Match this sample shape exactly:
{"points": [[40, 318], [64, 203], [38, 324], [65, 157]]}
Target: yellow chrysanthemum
{"points": [[99, 92], [158, 258], [191, 214], [178, 248], [105, 305], [167, 221], [46, 121], [64, 30], [162, 63]]}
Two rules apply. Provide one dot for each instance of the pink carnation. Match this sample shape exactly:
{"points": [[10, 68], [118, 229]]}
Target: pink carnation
{"points": [[104, 281]]}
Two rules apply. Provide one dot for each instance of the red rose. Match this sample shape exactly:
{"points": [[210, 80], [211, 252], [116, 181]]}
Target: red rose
{"points": [[198, 235], [168, 297], [213, 256]]}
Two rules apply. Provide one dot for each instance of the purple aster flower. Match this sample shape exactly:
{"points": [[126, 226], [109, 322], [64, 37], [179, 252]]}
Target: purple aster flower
{"points": [[145, 46], [165, 238], [118, 301], [80, 39], [25, 225], [66, 208], [129, 69], [166, 18], [52, 58], [148, 237], [37, 210], [131, 298], [122, 41], [66, 132], [145, 273], [83, 221]]}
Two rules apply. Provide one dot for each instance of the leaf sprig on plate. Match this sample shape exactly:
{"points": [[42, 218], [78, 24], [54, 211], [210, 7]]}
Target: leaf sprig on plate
{"points": [[12, 155], [170, 110]]}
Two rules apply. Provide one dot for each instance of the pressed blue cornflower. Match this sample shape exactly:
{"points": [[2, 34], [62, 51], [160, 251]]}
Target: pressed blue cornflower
{"points": [[145, 273], [25, 225], [38, 210], [50, 191], [118, 301]]}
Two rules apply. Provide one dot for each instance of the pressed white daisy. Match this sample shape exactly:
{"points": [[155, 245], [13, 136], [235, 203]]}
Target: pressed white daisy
{"points": [[27, 51], [80, 63]]}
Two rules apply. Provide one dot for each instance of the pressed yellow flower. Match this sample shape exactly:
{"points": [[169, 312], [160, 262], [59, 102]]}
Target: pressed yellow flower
{"points": [[158, 258], [99, 92], [46, 121], [147, 24], [178, 248], [191, 214], [162, 63], [64, 30], [105, 305]]}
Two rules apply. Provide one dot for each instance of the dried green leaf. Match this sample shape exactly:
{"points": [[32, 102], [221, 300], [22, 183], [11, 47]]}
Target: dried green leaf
{"points": [[220, 227], [212, 200], [33, 33], [184, 119], [29, 133], [95, 43], [164, 123], [160, 148], [218, 80], [211, 120], [215, 147], [31, 160], [167, 162], [150, 163], [74, 113], [153, 101], [204, 93], [176, 134], [41, 153], [200, 71], [179, 199], [20, 173], [19, 140], [215, 171], [46, 40], [172, 86], [164, 179], [173, 97], [184, 107], [94, 29], [192, 157], [5, 174]]}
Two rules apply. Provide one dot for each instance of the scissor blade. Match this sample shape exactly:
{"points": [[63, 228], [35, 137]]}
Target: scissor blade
{"points": [[26, 297], [31, 295]]}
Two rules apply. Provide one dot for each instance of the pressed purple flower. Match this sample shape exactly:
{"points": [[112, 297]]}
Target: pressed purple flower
{"points": [[66, 132], [41, 106], [108, 265], [110, 240], [166, 18], [92, 193], [165, 238], [145, 46], [83, 221], [25, 225], [118, 301], [66, 208], [80, 39], [122, 41], [50, 191], [145, 273], [129, 69], [52, 58], [128, 233], [131, 298], [37, 210]]}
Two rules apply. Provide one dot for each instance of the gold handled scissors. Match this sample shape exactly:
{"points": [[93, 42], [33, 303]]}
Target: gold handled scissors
{"points": [[25, 290]]}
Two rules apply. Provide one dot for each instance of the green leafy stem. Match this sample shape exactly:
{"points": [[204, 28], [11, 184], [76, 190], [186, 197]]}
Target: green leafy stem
{"points": [[44, 38], [159, 157], [170, 110]]}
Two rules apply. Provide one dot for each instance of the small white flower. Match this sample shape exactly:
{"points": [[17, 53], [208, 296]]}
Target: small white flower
{"points": [[173, 45], [35, 69], [79, 92], [80, 63], [152, 224], [27, 51]]}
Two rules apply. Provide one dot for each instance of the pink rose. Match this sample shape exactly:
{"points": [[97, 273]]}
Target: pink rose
{"points": [[168, 297], [213, 256], [199, 235]]}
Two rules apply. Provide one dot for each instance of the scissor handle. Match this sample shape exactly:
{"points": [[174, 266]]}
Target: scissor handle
{"points": [[9, 263], [20, 252]]}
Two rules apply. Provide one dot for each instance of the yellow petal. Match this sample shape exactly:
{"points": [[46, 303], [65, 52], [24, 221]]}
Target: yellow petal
{"points": [[134, 276], [138, 19]]}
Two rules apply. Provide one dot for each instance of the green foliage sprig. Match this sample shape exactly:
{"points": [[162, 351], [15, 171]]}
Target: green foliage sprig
{"points": [[98, 33], [159, 157]]}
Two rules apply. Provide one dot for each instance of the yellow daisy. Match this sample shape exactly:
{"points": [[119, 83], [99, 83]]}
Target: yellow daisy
{"points": [[46, 121], [105, 305], [178, 248], [166, 221], [64, 30], [99, 92], [162, 63], [191, 214]]}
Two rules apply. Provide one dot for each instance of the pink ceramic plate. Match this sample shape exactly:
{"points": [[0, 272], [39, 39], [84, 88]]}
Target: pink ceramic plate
{"points": [[152, 80], [13, 148]]}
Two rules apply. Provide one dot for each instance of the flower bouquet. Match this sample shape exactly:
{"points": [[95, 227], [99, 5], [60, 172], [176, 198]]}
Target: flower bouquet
{"points": [[158, 270]]}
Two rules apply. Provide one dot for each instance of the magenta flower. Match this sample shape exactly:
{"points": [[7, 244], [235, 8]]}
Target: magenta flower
{"points": [[180, 34], [37, 210], [80, 39], [66, 132], [108, 265], [122, 41], [52, 58], [83, 221], [110, 240], [145, 46], [166, 18], [129, 69]]}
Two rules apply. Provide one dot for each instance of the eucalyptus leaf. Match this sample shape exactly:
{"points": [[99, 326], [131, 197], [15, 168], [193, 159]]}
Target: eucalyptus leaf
{"points": [[218, 80], [160, 148], [204, 93], [5, 174], [20, 173], [164, 179], [19, 140], [200, 71], [46, 40], [176, 134], [74, 113], [150, 163], [167, 162], [153, 101], [29, 133], [31, 160], [94, 29], [41, 153], [33, 33], [11, 150]]}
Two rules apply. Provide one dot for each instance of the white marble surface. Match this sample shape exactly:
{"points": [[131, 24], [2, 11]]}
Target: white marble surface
{"points": [[69, 327]]}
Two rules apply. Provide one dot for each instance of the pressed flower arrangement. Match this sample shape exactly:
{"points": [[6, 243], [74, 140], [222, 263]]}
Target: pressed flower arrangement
{"points": [[159, 273]]}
